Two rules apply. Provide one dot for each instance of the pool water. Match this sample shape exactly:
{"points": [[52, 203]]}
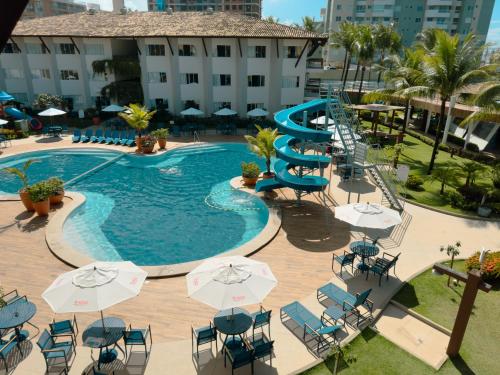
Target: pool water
{"points": [[167, 209]]}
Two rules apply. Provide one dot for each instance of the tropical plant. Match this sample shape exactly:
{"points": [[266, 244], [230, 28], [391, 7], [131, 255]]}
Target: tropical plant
{"points": [[394, 152], [386, 40], [160, 133], [365, 48], [48, 100], [250, 170], [40, 191], [148, 141], [470, 169], [446, 175], [271, 19], [263, 144], [490, 269], [414, 182], [426, 40], [22, 173], [137, 117], [487, 99], [345, 38], [56, 185], [452, 251], [308, 24], [495, 175]]}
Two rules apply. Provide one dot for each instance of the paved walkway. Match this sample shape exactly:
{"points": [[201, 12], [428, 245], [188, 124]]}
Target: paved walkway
{"points": [[300, 257]]}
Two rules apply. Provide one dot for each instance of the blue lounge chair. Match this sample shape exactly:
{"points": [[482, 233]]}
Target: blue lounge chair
{"points": [[131, 139], [203, 335], [344, 260], [239, 356], [349, 302], [383, 265], [95, 138], [53, 352], [6, 347], [107, 134], [76, 136], [134, 337], [316, 327], [111, 137], [123, 135], [86, 138]]}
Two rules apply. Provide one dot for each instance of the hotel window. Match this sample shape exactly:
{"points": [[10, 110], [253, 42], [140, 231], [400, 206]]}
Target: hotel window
{"points": [[223, 51], [189, 78], [258, 52], [256, 81], [94, 49], [360, 8], [221, 105], [69, 75], [252, 106], [222, 79], [338, 18], [11, 48], [66, 49], [157, 77], [158, 103], [36, 49], [40, 73], [13, 73], [290, 82], [187, 50], [418, 20], [292, 52], [156, 50]]}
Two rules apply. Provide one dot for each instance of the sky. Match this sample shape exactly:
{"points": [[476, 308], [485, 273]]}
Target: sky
{"points": [[290, 11]]}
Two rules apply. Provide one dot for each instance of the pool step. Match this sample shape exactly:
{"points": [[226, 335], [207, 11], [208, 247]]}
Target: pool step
{"points": [[194, 150]]}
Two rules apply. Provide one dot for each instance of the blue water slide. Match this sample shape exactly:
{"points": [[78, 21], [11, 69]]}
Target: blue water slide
{"points": [[18, 115], [289, 158]]}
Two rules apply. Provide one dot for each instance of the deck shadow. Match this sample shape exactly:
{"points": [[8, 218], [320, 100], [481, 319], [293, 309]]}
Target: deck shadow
{"points": [[38, 222], [15, 357], [309, 341], [358, 187]]}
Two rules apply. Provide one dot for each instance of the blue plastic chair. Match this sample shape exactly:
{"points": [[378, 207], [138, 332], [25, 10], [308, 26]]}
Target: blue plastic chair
{"points": [[53, 351], [134, 337], [6, 347], [131, 138], [261, 318], [105, 137], [86, 138], [344, 260], [203, 335], [123, 134], [95, 138], [76, 136], [64, 327], [383, 265], [239, 356], [111, 137]]}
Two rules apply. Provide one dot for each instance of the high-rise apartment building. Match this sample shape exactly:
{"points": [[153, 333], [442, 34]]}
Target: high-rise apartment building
{"points": [[248, 7], [46, 8], [410, 17]]}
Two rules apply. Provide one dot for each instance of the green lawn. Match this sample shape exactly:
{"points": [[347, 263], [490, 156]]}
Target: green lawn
{"points": [[429, 295], [416, 155]]}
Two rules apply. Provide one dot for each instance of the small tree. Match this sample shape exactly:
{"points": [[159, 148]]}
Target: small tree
{"points": [[452, 251], [263, 145], [471, 169], [21, 173], [137, 117], [446, 175], [48, 100], [394, 152]]}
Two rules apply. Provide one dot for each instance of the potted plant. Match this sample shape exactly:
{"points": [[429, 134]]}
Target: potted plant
{"points": [[137, 117], [263, 145], [161, 135], [250, 173], [23, 192], [148, 144], [57, 190], [40, 194]]}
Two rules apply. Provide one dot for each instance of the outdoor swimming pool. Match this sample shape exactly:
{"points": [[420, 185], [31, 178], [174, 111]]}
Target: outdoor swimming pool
{"points": [[167, 209]]}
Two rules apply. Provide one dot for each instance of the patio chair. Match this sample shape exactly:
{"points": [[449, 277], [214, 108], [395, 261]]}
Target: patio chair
{"points": [[125, 138], [134, 337], [262, 348], [383, 265], [239, 356], [345, 299], [123, 135], [95, 138], [64, 327], [54, 351], [6, 347], [86, 138], [12, 296], [203, 335], [105, 137], [312, 325], [344, 260], [109, 140], [131, 139], [261, 318], [77, 134]]}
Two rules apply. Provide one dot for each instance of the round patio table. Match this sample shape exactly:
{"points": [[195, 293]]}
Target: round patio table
{"points": [[15, 314], [232, 322], [364, 250], [98, 337], [55, 130]]}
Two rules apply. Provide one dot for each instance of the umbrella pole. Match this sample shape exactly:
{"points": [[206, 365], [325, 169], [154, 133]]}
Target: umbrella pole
{"points": [[102, 320]]}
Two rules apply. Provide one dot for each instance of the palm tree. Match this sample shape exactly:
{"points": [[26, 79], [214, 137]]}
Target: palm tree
{"points": [[470, 169], [272, 19], [426, 40], [446, 175], [488, 99], [365, 48], [449, 67], [309, 23], [263, 144], [22, 173], [345, 38], [386, 40], [137, 117]]}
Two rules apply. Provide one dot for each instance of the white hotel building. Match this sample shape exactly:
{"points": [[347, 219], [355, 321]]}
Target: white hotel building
{"points": [[213, 59]]}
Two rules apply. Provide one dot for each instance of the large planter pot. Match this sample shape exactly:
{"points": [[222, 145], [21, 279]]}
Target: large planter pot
{"points": [[138, 142], [162, 143], [42, 208], [250, 181], [25, 198], [266, 176], [484, 211], [56, 199]]}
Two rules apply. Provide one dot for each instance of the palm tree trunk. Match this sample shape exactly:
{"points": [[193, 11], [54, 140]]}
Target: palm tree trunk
{"points": [[382, 58], [361, 83], [268, 166], [343, 66], [356, 75], [407, 113], [438, 136], [347, 72]]}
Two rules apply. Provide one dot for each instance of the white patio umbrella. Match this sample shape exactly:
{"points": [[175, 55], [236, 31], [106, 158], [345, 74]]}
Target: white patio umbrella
{"points": [[113, 108], [229, 282], [225, 112], [94, 287], [368, 215], [257, 112], [51, 112], [192, 112], [3, 122], [321, 120]]}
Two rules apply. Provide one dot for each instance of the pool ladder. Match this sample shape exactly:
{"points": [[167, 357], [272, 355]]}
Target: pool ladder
{"points": [[196, 138]]}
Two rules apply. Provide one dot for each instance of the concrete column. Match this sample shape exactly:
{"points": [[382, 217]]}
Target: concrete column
{"points": [[428, 121], [175, 102], [274, 86], [56, 74], [449, 119], [206, 77], [241, 81], [85, 79], [26, 70], [141, 44], [470, 129]]}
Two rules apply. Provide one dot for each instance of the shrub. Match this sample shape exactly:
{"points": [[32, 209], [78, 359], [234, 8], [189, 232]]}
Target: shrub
{"points": [[56, 185], [471, 193], [495, 175], [414, 182], [456, 200], [250, 170], [160, 133], [40, 191], [456, 140], [491, 265]]}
